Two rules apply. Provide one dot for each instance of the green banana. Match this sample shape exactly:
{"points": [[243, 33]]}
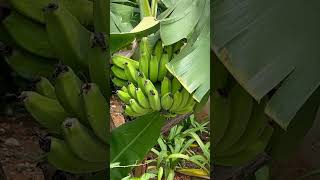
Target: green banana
{"points": [[82, 9], [124, 89], [185, 97], [165, 86], [175, 85], [132, 90], [137, 108], [46, 111], [157, 52], [240, 111], [98, 66], [28, 35], [68, 92], [249, 153], [144, 65], [148, 86], [124, 96], [169, 51], [166, 101], [142, 99], [69, 39], [29, 66], [188, 107], [256, 125], [153, 69], [141, 81], [162, 67], [130, 112], [119, 82], [83, 142], [177, 99], [145, 55], [61, 156], [130, 72], [45, 88], [119, 73], [120, 60], [96, 108], [154, 100]]}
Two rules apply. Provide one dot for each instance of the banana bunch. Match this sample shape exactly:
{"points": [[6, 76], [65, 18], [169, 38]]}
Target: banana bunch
{"points": [[152, 63], [170, 98], [240, 127], [75, 115], [35, 29]]}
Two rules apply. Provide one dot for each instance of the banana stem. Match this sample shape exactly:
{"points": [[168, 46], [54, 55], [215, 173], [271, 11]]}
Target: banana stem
{"points": [[172, 122]]}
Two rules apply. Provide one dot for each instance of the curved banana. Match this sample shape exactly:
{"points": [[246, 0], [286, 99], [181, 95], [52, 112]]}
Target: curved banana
{"points": [[61, 156], [68, 92], [249, 153], [124, 89], [169, 50], [69, 39], [166, 101], [153, 69], [83, 142], [142, 99], [120, 60], [162, 67], [175, 85], [137, 108], [132, 90], [46, 111], [28, 35], [144, 65], [118, 82], [45, 88], [118, 72], [177, 98], [185, 97], [240, 110], [130, 72], [157, 52], [28, 65], [124, 96], [82, 9], [130, 112], [154, 100], [165, 86], [141, 81], [96, 108]]}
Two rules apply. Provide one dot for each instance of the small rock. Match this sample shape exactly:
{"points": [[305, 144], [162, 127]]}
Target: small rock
{"points": [[12, 142]]}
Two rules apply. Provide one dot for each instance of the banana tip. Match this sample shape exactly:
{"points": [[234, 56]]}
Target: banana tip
{"points": [[69, 123]]}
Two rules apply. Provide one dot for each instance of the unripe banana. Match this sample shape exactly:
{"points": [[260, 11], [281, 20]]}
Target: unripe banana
{"points": [[83, 142], [95, 105], [145, 48], [68, 92], [165, 86], [130, 72], [28, 35], [158, 50], [45, 88], [187, 109], [61, 156], [141, 80], [176, 86], [119, 73], [130, 112], [154, 100], [166, 101], [124, 89], [29, 66], [46, 111], [124, 96], [162, 67], [185, 97], [69, 39], [177, 98], [137, 108], [120, 60], [132, 90], [144, 64], [169, 51], [82, 9], [142, 99], [153, 69], [148, 86], [119, 82]]}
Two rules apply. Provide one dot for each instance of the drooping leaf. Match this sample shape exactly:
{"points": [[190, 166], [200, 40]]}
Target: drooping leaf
{"points": [[268, 44], [131, 142]]}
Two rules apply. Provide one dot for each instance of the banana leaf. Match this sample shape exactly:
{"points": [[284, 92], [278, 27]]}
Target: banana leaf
{"points": [[132, 141], [270, 45]]}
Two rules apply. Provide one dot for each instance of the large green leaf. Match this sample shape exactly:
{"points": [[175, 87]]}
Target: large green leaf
{"points": [[192, 65], [131, 142], [269, 44]]}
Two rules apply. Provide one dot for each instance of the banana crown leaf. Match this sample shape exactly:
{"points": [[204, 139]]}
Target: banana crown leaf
{"points": [[267, 45]]}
